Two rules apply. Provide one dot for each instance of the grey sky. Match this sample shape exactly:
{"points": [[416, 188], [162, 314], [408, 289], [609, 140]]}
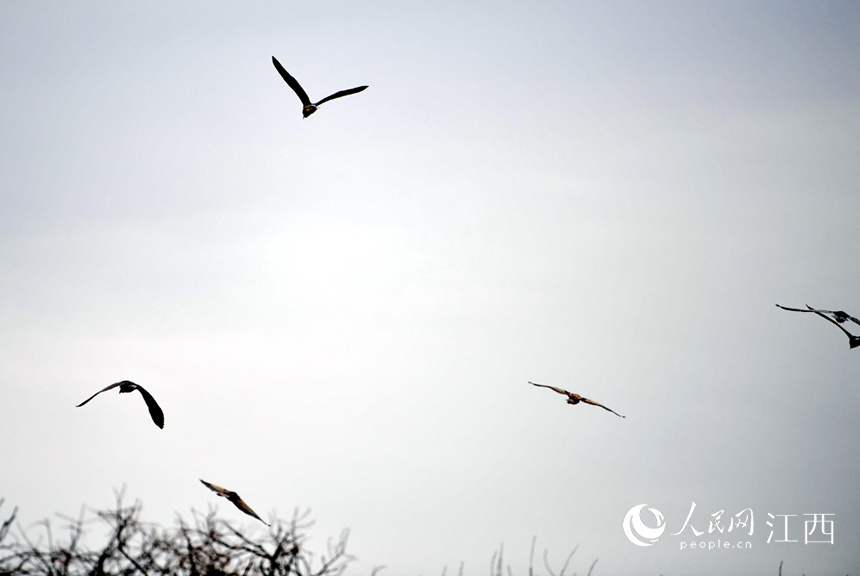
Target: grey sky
{"points": [[342, 312]]}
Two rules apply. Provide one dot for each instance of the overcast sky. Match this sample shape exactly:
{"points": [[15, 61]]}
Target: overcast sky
{"points": [[343, 312]]}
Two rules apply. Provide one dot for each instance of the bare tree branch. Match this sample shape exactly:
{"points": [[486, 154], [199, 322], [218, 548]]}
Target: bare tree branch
{"points": [[205, 546]]}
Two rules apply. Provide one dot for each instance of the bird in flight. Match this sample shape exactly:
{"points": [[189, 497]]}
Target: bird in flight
{"points": [[576, 398], [126, 386], [234, 498], [837, 317], [309, 107]]}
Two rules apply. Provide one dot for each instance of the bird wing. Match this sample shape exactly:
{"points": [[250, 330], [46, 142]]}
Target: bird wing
{"points": [[293, 83], [795, 309], [241, 505], [837, 319], [341, 93], [838, 315], [105, 389], [217, 489], [559, 390], [154, 409], [832, 321], [593, 403]]}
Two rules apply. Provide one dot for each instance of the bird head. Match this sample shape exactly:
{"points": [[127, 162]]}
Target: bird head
{"points": [[127, 386]]}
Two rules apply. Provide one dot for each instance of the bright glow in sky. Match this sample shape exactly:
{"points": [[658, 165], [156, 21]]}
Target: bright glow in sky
{"points": [[342, 312]]}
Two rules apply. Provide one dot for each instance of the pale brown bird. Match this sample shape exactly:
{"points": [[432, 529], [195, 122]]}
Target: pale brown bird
{"points": [[308, 107], [234, 498], [836, 317], [126, 386], [576, 398]]}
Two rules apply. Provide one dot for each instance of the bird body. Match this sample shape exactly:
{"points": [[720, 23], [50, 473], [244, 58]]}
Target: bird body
{"points": [[576, 398], [309, 107], [127, 386], [234, 498], [835, 317]]}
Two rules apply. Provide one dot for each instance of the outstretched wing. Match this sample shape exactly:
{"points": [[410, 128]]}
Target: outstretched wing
{"points": [[341, 93], [217, 489], [241, 505], [154, 409], [105, 389], [838, 316], [593, 403], [293, 83], [835, 317], [853, 341], [559, 390], [794, 309]]}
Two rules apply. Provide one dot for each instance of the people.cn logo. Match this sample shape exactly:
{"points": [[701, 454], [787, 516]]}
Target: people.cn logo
{"points": [[636, 530]]}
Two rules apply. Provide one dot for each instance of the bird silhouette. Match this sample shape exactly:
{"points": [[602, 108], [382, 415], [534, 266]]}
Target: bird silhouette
{"points": [[576, 398], [126, 386], [308, 106], [234, 498], [836, 317]]}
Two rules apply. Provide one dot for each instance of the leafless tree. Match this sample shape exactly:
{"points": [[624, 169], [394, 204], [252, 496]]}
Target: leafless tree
{"points": [[205, 546]]}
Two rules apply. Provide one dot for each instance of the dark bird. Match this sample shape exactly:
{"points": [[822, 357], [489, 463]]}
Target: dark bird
{"points": [[576, 398], [836, 317], [308, 106], [126, 386], [234, 498]]}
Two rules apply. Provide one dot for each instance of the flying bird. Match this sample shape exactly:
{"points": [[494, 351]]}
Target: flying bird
{"points": [[576, 398], [309, 107], [234, 498], [836, 317], [126, 386]]}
